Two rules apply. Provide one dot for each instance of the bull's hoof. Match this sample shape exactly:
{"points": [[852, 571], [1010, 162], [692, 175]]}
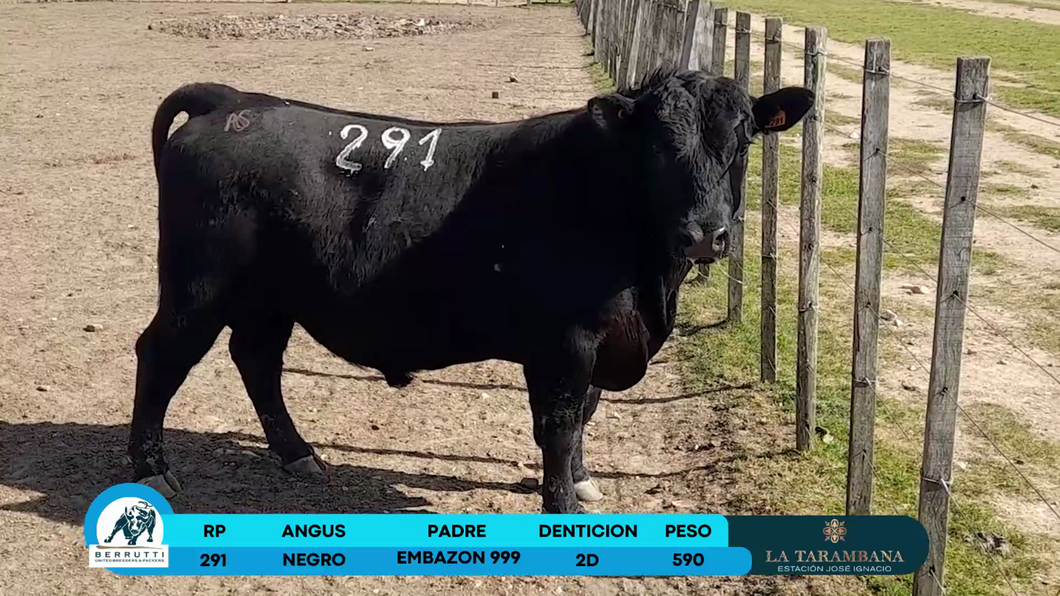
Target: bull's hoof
{"points": [[310, 465], [587, 491], [577, 509], [166, 484]]}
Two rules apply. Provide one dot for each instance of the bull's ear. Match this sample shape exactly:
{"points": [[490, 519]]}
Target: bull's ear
{"points": [[611, 109], [780, 110]]}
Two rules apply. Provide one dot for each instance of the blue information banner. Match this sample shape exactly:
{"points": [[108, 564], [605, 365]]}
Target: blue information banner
{"points": [[447, 531], [604, 561], [130, 529]]}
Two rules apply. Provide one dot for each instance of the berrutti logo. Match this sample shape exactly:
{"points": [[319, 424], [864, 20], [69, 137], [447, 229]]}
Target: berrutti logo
{"points": [[129, 530], [137, 519]]}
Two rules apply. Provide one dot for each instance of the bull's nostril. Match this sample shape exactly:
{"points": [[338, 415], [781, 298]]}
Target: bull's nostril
{"points": [[720, 240]]}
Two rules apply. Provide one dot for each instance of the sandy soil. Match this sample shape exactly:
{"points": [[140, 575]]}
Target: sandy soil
{"points": [[77, 214]]}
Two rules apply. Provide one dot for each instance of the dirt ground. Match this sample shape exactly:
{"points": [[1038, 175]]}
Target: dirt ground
{"points": [[77, 214], [1039, 14]]}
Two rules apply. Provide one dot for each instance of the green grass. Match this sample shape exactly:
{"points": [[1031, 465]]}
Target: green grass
{"points": [[913, 156], [1014, 167], [599, 78], [1040, 309], [935, 36], [1032, 142], [934, 101], [834, 118], [849, 73], [1003, 189], [815, 482], [1043, 217], [913, 237], [1014, 437]]}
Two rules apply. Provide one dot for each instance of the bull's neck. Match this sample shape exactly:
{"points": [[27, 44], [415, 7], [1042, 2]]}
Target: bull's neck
{"points": [[568, 155]]}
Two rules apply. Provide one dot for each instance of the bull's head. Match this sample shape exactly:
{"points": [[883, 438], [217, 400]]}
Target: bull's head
{"points": [[688, 134]]}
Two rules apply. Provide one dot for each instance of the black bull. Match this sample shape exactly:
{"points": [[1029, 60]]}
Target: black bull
{"points": [[557, 242]]}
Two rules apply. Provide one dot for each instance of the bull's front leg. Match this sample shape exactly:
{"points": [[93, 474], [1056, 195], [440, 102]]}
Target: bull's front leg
{"points": [[585, 487], [557, 386]]}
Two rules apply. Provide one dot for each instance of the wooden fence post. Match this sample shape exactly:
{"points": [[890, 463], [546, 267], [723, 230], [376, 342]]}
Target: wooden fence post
{"points": [[697, 13], [630, 66], [721, 26], [704, 47], [626, 32], [875, 99], [662, 39], [770, 196], [742, 74], [677, 34], [609, 36], [810, 240], [618, 40], [955, 259], [618, 37], [600, 39], [646, 56], [591, 19], [662, 42], [656, 33], [644, 42]]}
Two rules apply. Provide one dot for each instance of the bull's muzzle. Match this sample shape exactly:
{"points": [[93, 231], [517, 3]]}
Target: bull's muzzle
{"points": [[705, 248]]}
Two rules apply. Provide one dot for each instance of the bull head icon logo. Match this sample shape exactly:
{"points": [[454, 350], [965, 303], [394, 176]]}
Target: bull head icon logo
{"points": [[134, 522]]}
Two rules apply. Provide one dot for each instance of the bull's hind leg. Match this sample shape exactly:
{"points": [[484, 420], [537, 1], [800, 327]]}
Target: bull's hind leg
{"points": [[174, 342], [257, 349], [584, 486]]}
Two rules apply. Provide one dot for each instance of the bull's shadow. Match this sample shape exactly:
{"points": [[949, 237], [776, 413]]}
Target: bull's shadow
{"points": [[69, 464]]}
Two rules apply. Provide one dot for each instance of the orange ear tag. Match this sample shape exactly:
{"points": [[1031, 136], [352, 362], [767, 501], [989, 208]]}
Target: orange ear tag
{"points": [[778, 120]]}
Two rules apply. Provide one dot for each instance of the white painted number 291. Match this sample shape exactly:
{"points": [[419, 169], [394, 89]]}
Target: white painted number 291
{"points": [[395, 145], [343, 159], [394, 139]]}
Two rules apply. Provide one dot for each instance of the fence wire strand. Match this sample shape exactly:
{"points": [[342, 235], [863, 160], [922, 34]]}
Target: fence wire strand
{"points": [[922, 176], [969, 417], [930, 277], [939, 89], [974, 311], [896, 335], [891, 334]]}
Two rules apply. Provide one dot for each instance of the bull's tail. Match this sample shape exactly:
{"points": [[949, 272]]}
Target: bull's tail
{"points": [[196, 99]]}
